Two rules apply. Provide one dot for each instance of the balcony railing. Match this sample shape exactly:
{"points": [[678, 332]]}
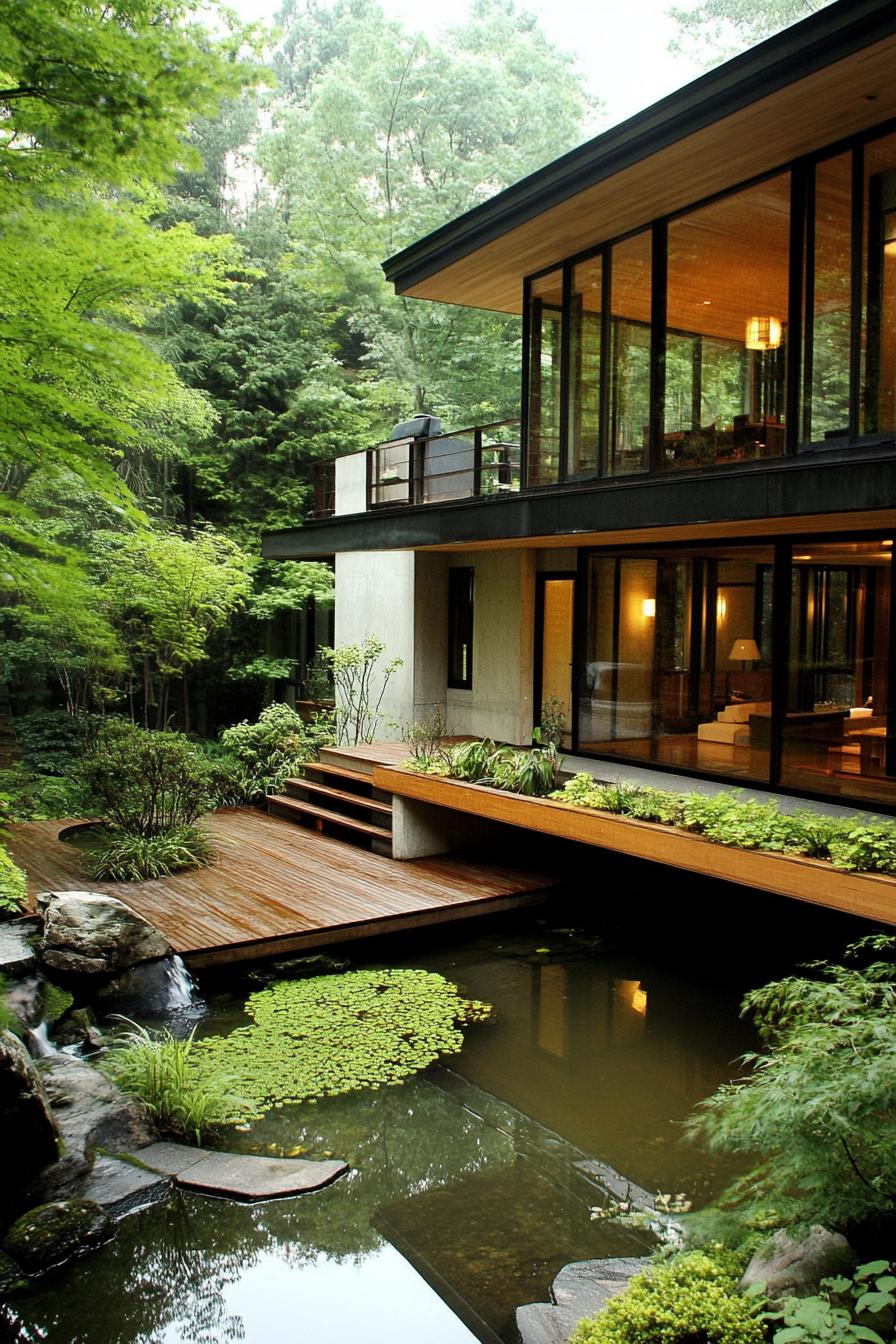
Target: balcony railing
{"points": [[466, 464]]}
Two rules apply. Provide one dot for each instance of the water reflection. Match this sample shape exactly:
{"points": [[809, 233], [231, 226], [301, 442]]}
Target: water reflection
{"points": [[468, 1187]]}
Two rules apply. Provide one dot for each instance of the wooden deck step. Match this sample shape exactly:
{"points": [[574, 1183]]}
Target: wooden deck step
{"points": [[281, 805], [325, 791], [339, 772]]}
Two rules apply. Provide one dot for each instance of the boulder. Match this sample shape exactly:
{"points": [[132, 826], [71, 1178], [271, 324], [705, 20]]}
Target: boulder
{"points": [[794, 1266], [154, 989], [30, 1134], [11, 1277], [89, 934], [92, 1113], [17, 955], [25, 1000], [52, 1233]]}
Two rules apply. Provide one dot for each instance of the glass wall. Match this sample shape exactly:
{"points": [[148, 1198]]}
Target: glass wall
{"points": [[879, 326], [829, 281], [834, 730], [705, 364], [679, 667], [726, 343], [545, 373], [677, 662], [629, 357], [584, 368]]}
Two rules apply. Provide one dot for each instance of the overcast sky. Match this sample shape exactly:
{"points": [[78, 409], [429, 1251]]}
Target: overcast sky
{"points": [[621, 47]]}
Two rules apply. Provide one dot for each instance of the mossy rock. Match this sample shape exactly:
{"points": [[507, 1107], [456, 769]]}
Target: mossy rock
{"points": [[12, 1280], [52, 1233]]}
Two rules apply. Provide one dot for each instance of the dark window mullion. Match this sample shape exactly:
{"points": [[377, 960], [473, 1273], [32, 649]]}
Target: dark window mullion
{"points": [[524, 394], [795, 305], [658, 308], [808, 306], [603, 447], [565, 352], [855, 337]]}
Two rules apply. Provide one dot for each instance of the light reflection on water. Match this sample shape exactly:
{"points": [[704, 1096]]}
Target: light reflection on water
{"points": [[467, 1180]]}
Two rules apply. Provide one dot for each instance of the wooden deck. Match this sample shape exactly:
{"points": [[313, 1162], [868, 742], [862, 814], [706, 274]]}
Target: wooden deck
{"points": [[275, 888]]}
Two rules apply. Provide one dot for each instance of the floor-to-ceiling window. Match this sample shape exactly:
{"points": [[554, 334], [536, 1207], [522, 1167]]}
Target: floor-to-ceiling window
{"points": [[834, 728], [757, 324], [677, 658], [685, 662], [544, 378], [726, 317], [629, 356]]}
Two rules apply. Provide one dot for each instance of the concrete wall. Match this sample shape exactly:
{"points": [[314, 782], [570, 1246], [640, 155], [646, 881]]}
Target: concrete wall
{"points": [[500, 702], [351, 483], [374, 596], [402, 598]]}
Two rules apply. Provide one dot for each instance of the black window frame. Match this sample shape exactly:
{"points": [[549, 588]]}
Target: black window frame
{"points": [[799, 314], [461, 620]]}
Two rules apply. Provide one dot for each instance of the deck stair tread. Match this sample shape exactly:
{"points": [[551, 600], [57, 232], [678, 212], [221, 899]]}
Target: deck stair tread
{"points": [[339, 772], [284, 803], [325, 791]]}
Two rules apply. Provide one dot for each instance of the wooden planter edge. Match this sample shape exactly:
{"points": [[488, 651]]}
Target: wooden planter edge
{"points": [[868, 895]]}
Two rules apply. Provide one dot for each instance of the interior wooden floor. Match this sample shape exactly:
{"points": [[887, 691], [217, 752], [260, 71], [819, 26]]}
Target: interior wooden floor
{"points": [[276, 888], [835, 772]]}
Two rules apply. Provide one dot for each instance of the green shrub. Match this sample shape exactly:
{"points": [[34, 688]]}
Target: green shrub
{"points": [[694, 1299], [126, 856], [863, 847], [35, 797], [267, 752], [531, 771], [730, 819], [156, 1067], [471, 761], [13, 887], [817, 1108], [831, 1315], [50, 740], [145, 783], [852, 844]]}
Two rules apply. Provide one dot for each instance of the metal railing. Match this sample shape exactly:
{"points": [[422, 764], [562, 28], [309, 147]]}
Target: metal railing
{"points": [[465, 464]]}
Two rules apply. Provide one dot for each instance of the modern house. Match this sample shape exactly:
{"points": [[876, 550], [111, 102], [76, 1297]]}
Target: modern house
{"points": [[685, 545]]}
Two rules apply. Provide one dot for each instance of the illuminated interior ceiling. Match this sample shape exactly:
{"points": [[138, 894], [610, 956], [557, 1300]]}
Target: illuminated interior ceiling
{"points": [[843, 97]]}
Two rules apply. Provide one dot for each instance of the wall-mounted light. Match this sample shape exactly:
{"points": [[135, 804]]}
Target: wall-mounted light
{"points": [[763, 333], [648, 608], [721, 609]]}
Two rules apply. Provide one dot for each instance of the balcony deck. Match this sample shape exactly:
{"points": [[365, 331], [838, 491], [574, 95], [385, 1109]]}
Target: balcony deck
{"points": [[276, 889]]}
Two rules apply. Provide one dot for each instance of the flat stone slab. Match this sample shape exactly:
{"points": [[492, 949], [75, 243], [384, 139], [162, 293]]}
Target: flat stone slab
{"points": [[580, 1289], [239, 1175], [122, 1188]]}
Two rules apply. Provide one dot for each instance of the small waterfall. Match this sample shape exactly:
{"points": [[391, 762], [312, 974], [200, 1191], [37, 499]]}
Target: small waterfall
{"points": [[37, 1040], [180, 984]]}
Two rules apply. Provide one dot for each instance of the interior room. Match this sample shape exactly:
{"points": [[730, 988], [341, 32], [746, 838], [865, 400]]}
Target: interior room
{"points": [[679, 664]]}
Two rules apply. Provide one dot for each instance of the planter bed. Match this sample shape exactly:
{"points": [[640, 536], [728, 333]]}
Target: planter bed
{"points": [[869, 895]]}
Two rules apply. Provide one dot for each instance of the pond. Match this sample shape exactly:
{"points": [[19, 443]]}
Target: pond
{"points": [[470, 1185]]}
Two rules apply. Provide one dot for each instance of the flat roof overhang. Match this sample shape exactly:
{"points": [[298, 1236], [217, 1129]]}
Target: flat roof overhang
{"points": [[831, 491], [830, 76]]}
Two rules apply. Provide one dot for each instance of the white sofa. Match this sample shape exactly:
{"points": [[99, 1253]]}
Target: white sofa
{"points": [[731, 726]]}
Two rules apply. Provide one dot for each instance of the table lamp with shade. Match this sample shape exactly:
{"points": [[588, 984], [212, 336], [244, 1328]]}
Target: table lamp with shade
{"points": [[745, 651]]}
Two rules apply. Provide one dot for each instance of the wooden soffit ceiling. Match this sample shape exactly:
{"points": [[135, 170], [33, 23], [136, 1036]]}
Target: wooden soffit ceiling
{"points": [[847, 96]]}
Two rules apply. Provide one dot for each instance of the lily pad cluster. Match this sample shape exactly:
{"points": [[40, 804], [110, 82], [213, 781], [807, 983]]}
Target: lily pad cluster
{"points": [[336, 1033]]}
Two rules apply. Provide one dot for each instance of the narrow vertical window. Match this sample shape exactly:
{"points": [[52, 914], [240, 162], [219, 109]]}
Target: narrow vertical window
{"points": [[460, 629]]}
